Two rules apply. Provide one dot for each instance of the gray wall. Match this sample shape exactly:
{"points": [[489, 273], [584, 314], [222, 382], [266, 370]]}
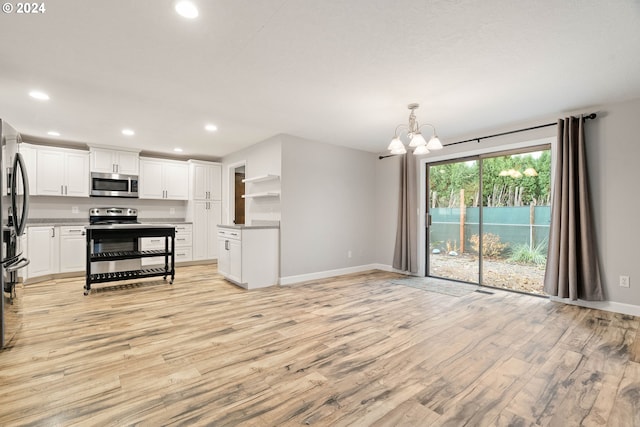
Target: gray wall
{"points": [[613, 151], [328, 207], [387, 203], [262, 158]]}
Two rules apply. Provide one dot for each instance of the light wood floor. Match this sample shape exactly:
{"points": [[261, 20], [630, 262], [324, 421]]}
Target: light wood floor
{"points": [[354, 350]]}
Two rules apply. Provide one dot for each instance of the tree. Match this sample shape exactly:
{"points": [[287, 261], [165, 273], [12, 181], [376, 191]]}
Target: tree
{"points": [[514, 180]]}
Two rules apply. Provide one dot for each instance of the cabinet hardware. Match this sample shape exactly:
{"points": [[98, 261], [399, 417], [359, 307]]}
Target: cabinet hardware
{"points": [[62, 189], [66, 188], [53, 232]]}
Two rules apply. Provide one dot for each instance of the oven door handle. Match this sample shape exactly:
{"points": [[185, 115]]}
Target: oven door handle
{"points": [[22, 262]]}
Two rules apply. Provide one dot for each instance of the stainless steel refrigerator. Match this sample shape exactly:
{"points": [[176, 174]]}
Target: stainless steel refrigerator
{"points": [[14, 210]]}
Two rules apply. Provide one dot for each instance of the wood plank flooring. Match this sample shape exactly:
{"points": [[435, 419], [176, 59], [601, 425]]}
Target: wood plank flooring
{"points": [[354, 350]]}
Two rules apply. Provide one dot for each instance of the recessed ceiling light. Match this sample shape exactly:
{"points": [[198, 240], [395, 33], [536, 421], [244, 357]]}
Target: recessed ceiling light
{"points": [[53, 133], [177, 150], [39, 95], [186, 9], [128, 132], [211, 128]]}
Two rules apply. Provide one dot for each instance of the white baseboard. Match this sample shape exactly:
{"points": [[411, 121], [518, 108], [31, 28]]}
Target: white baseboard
{"points": [[616, 307], [290, 280]]}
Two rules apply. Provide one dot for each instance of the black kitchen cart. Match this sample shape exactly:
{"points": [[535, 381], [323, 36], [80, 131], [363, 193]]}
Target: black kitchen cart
{"points": [[130, 231]]}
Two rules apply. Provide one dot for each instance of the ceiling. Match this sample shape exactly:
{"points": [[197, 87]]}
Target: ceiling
{"points": [[334, 71]]}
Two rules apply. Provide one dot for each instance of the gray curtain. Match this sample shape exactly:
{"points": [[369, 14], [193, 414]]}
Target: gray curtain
{"points": [[572, 261], [405, 257]]}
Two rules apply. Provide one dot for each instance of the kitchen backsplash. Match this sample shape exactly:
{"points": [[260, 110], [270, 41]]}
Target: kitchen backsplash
{"points": [[78, 207]]}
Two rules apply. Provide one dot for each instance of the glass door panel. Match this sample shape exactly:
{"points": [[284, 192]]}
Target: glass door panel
{"points": [[516, 212], [452, 208]]}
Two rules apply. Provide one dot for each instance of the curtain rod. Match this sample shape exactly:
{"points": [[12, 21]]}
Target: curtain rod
{"points": [[587, 117]]}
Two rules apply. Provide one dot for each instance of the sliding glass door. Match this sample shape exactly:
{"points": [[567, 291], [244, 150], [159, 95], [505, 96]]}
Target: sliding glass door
{"points": [[488, 219], [453, 217]]}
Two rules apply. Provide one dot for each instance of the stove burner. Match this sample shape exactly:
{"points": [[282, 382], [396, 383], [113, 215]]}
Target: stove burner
{"points": [[108, 216], [112, 221]]}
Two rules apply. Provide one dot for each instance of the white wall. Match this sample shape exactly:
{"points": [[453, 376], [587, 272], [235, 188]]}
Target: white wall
{"points": [[262, 158], [328, 207], [612, 153]]}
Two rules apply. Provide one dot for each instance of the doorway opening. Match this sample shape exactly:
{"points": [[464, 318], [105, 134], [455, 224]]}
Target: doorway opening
{"points": [[236, 204], [488, 219]]}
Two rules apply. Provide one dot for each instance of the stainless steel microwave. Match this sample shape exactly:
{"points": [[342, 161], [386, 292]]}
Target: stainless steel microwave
{"points": [[114, 185]]}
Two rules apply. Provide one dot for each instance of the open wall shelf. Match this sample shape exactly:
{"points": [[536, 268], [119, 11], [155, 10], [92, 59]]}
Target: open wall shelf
{"points": [[261, 178], [259, 195]]}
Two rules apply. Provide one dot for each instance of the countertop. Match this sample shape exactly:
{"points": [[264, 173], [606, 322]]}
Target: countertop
{"points": [[247, 227], [128, 226], [70, 222]]}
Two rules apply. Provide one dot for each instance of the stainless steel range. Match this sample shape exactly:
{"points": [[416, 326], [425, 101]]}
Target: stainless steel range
{"points": [[114, 217]]}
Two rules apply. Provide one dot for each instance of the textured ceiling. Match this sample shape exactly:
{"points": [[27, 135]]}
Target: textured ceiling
{"points": [[334, 71]]}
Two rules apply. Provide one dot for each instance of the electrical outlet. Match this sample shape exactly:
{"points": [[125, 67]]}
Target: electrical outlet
{"points": [[624, 281], [74, 209], [349, 254]]}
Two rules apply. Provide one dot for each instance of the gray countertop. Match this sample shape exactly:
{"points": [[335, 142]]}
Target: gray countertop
{"points": [[247, 227], [128, 226], [66, 222]]}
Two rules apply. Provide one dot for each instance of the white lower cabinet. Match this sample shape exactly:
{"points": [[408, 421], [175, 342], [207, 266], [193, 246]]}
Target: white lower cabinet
{"points": [[42, 244], [249, 256], [230, 255], [183, 244], [73, 244]]}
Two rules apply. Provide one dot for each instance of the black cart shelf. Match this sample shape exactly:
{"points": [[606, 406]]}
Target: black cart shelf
{"points": [[130, 231]]}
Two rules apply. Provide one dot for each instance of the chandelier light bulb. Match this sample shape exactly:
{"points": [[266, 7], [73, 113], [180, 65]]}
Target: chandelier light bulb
{"points": [[400, 150], [434, 143], [417, 140], [395, 144], [421, 149]]}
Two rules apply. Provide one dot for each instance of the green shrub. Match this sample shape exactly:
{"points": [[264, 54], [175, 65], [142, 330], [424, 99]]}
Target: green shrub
{"points": [[526, 255]]}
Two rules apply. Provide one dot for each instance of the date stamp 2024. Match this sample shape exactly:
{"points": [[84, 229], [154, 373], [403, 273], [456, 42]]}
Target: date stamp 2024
{"points": [[24, 8]]}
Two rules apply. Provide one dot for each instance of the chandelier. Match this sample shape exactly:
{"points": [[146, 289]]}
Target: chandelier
{"points": [[416, 140]]}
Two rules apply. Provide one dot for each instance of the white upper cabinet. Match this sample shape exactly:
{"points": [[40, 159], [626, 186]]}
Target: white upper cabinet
{"points": [[114, 161], [206, 180], [62, 172], [163, 179]]}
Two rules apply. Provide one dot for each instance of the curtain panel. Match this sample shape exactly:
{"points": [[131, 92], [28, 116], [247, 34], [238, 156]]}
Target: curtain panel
{"points": [[405, 256], [572, 261]]}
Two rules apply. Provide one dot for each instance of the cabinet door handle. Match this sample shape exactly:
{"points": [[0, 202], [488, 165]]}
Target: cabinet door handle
{"points": [[53, 232], [66, 188], [62, 189]]}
